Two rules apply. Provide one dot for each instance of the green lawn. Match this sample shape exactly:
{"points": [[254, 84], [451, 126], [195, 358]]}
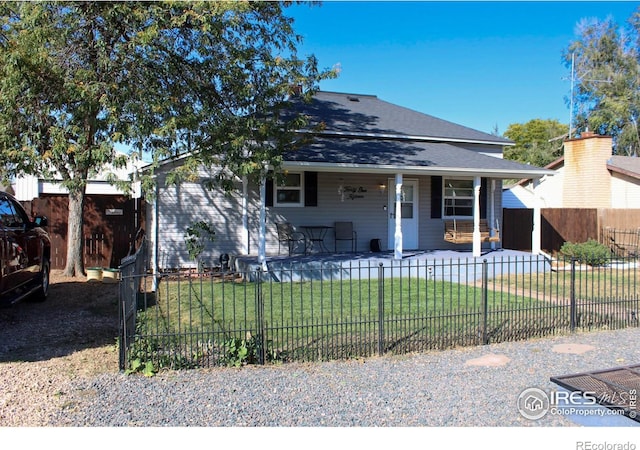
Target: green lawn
{"points": [[597, 284], [193, 304], [191, 319]]}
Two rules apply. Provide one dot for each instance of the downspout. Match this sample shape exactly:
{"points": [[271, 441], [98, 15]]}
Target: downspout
{"points": [[155, 248], [262, 228], [245, 218], [535, 233], [477, 245]]}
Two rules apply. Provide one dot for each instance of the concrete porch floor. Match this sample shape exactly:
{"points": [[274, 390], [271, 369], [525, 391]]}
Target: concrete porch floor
{"points": [[451, 265]]}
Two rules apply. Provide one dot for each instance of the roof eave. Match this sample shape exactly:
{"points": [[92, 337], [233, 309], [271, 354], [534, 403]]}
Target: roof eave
{"points": [[622, 171], [415, 170], [404, 137]]}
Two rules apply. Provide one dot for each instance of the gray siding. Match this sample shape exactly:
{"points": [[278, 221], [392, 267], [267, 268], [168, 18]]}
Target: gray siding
{"points": [[180, 206], [367, 213]]}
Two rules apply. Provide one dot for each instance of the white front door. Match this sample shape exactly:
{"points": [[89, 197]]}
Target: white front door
{"points": [[409, 208]]}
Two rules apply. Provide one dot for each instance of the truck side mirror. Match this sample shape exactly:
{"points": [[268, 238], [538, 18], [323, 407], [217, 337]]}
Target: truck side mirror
{"points": [[40, 221]]}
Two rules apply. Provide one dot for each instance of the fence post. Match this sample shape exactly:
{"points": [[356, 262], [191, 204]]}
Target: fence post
{"points": [[485, 301], [122, 337], [260, 339], [573, 319], [380, 310]]}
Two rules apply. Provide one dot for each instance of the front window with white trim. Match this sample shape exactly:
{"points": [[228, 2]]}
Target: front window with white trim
{"points": [[458, 197], [289, 190]]}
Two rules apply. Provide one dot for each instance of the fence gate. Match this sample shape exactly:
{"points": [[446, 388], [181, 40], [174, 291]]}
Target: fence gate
{"points": [[110, 225], [517, 227]]}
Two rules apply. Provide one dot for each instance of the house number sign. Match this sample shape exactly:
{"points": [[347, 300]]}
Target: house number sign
{"points": [[351, 192]]}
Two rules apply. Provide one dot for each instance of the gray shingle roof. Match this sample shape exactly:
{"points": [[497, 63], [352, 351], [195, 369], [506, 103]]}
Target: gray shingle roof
{"points": [[438, 156], [628, 165], [374, 135], [366, 114]]}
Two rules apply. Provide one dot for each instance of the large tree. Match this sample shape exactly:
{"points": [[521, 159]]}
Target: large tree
{"points": [[203, 79], [605, 64], [537, 142]]}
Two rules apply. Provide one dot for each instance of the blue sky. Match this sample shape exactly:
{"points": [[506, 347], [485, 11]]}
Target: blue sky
{"points": [[479, 64]]}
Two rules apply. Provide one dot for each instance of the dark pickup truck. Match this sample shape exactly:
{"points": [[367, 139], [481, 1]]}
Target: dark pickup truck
{"points": [[25, 249]]}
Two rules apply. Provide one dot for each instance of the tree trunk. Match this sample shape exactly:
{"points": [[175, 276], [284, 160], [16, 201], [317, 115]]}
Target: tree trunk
{"points": [[75, 263]]}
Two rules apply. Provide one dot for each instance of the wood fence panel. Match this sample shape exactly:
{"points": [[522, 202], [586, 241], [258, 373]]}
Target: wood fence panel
{"points": [[620, 219], [517, 226], [560, 225], [110, 225]]}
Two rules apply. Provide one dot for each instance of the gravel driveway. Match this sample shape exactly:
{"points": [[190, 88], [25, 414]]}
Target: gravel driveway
{"points": [[58, 367]]}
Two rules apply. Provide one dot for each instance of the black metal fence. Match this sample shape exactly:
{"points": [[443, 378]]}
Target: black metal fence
{"points": [[325, 312], [131, 287], [621, 242]]}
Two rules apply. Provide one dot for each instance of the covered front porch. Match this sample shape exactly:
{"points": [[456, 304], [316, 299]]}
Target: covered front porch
{"points": [[402, 212]]}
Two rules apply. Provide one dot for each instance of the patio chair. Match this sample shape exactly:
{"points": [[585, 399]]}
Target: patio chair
{"points": [[290, 238], [344, 232]]}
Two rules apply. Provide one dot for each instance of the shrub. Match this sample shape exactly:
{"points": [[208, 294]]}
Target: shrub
{"points": [[195, 237], [590, 252]]}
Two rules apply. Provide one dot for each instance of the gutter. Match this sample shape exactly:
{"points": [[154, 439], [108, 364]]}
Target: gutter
{"points": [[414, 170], [403, 137]]}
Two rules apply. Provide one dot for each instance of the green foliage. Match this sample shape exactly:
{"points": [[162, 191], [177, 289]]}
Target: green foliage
{"points": [[538, 142], [196, 237], [203, 80], [237, 352], [591, 252], [144, 367], [607, 80]]}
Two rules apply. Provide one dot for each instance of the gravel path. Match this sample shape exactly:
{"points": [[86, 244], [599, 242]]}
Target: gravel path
{"points": [[463, 387]]}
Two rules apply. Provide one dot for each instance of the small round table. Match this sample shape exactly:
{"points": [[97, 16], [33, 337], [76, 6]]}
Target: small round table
{"points": [[316, 235]]}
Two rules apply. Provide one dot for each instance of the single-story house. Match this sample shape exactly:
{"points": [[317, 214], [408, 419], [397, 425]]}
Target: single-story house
{"points": [[396, 174], [588, 175]]}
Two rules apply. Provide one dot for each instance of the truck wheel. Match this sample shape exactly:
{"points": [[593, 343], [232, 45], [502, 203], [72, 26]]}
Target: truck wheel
{"points": [[43, 291]]}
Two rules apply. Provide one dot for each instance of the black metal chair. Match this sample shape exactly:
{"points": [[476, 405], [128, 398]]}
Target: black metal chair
{"points": [[291, 238], [344, 232]]}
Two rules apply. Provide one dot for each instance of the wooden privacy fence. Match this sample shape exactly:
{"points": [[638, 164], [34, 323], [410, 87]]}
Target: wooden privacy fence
{"points": [[560, 225], [110, 225]]}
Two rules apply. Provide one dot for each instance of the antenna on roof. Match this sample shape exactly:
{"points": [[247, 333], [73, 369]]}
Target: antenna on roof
{"points": [[580, 80]]}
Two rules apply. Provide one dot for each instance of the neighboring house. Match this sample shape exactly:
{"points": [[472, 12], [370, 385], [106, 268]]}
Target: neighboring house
{"points": [[111, 216], [587, 176], [625, 181], [29, 187], [397, 174], [548, 190]]}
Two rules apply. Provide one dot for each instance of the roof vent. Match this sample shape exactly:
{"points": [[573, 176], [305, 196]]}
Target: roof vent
{"points": [[351, 98]]}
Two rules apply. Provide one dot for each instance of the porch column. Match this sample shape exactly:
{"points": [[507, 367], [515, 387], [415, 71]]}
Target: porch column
{"points": [[244, 233], [535, 233], [262, 226], [477, 245], [397, 245], [492, 211]]}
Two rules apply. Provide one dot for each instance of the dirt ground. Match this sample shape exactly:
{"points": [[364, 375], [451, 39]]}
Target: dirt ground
{"points": [[76, 326], [44, 346]]}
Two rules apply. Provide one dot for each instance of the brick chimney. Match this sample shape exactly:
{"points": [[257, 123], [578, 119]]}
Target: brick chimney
{"points": [[586, 180]]}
